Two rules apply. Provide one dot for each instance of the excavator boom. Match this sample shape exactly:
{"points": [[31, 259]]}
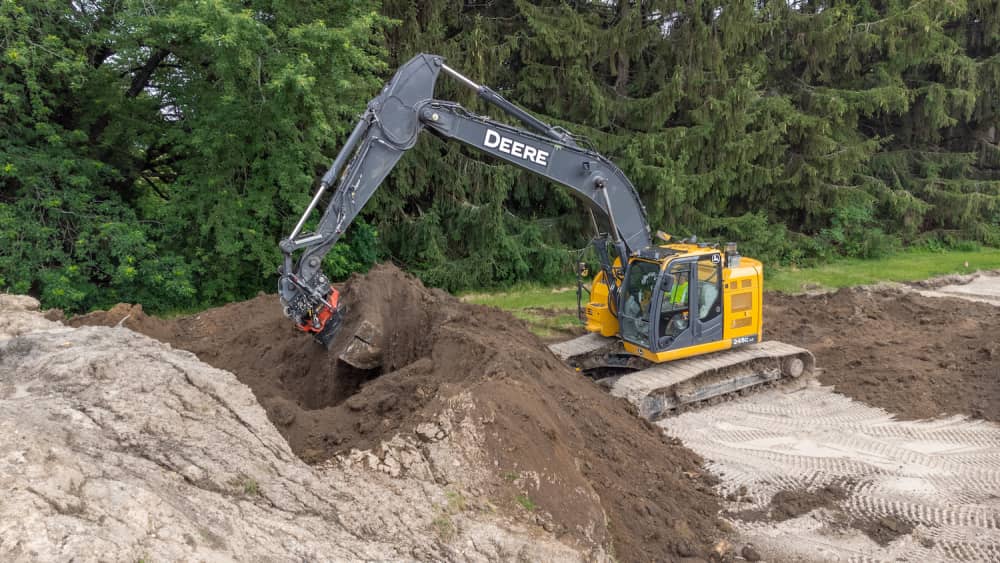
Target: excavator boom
{"points": [[390, 126]]}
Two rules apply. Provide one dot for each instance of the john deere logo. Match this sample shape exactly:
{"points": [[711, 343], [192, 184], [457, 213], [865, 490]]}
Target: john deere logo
{"points": [[527, 152]]}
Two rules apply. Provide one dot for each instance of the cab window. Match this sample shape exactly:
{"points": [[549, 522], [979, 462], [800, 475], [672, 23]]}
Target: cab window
{"points": [[639, 287], [674, 303], [675, 293], [709, 282]]}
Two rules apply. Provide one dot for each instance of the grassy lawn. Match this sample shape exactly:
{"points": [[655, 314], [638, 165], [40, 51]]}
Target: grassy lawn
{"points": [[555, 324], [906, 266], [549, 311], [527, 297], [529, 302]]}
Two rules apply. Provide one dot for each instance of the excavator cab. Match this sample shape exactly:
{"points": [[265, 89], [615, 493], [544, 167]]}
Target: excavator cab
{"points": [[681, 300], [673, 303]]}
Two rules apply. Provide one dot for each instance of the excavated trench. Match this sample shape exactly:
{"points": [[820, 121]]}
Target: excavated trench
{"points": [[399, 345]]}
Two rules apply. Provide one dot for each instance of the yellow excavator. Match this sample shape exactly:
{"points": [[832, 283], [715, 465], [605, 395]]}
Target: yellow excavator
{"points": [[670, 324]]}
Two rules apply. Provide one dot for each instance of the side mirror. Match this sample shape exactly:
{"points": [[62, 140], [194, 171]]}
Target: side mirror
{"points": [[582, 269]]}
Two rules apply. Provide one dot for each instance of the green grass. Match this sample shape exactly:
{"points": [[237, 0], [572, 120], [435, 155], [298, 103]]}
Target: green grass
{"points": [[444, 528], [528, 296], [549, 311], [456, 502], [250, 487], [906, 266], [525, 502], [548, 326]]}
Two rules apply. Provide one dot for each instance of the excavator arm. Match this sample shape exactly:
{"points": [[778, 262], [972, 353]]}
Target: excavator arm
{"points": [[390, 126]]}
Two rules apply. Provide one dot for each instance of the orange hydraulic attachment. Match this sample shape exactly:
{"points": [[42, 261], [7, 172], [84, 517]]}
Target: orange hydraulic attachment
{"points": [[322, 315]]}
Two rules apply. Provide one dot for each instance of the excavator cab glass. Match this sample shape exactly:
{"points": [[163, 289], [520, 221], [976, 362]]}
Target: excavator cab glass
{"points": [[674, 314], [673, 303], [640, 288]]}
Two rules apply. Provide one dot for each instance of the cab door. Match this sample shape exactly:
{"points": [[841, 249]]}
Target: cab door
{"points": [[689, 308], [672, 329]]}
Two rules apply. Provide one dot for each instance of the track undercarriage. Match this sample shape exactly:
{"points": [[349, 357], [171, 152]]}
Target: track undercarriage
{"points": [[659, 390]]}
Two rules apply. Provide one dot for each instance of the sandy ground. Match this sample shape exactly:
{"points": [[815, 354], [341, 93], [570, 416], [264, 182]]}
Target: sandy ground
{"points": [[984, 289], [933, 486], [942, 476]]}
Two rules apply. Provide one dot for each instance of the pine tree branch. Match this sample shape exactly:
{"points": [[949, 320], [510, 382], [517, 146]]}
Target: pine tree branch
{"points": [[145, 72], [868, 25], [155, 188]]}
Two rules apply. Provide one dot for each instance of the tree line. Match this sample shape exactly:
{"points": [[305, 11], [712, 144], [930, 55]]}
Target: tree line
{"points": [[156, 151]]}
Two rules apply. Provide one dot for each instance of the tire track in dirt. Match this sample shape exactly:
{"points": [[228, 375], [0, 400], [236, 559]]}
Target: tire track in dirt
{"points": [[941, 476]]}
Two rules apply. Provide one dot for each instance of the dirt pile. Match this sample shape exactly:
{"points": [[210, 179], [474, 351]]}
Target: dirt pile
{"points": [[562, 452], [794, 503], [915, 356], [114, 446], [886, 529]]}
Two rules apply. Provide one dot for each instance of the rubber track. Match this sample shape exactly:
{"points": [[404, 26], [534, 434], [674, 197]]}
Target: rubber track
{"points": [[657, 391]]}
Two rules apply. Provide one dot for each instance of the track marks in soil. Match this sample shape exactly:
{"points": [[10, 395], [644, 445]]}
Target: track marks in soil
{"points": [[917, 490]]}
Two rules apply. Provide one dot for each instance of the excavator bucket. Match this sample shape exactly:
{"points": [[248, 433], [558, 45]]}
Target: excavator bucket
{"points": [[329, 330]]}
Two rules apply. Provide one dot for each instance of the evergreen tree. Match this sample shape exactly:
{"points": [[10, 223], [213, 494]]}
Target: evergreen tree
{"points": [[154, 151], [803, 129]]}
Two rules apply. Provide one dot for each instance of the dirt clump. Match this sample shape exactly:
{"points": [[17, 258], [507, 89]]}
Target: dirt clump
{"points": [[915, 356], [883, 530], [564, 454], [793, 503], [786, 505]]}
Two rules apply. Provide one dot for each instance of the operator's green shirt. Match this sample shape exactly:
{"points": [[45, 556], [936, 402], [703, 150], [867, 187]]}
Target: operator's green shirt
{"points": [[679, 294]]}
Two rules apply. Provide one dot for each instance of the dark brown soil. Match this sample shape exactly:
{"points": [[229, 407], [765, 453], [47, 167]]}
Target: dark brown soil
{"points": [[786, 505], [538, 416], [883, 530], [914, 356], [791, 504]]}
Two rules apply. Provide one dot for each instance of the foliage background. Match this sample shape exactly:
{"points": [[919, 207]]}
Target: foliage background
{"points": [[156, 151]]}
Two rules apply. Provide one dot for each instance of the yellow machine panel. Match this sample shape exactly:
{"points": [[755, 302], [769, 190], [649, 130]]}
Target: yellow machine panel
{"points": [[743, 299], [599, 319]]}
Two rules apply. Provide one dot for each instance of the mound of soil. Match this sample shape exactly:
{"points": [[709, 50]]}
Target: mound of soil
{"points": [[915, 356], [408, 349]]}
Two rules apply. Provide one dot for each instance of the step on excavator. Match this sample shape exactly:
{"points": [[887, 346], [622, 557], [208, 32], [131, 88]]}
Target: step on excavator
{"points": [[670, 324]]}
